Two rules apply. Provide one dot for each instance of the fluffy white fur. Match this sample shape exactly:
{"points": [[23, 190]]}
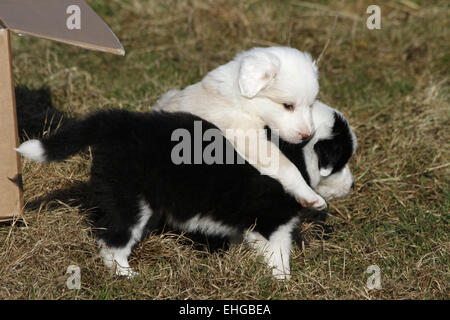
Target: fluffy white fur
{"points": [[32, 149], [250, 92]]}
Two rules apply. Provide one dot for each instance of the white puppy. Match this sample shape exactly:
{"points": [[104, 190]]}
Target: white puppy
{"points": [[273, 87]]}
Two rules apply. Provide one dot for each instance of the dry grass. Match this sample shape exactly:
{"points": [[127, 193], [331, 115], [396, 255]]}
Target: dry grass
{"points": [[392, 84]]}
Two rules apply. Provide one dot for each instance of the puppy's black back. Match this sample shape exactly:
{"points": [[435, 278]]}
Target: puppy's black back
{"points": [[138, 164]]}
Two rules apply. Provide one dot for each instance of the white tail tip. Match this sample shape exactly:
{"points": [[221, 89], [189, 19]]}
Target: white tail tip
{"points": [[32, 149]]}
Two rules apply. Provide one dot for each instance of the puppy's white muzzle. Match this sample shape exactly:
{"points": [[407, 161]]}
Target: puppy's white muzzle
{"points": [[336, 185]]}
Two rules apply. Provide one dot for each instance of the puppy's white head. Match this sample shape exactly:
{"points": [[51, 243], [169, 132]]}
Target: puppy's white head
{"points": [[280, 85]]}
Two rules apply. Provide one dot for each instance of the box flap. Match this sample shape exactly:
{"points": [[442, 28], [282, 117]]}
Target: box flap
{"points": [[68, 21]]}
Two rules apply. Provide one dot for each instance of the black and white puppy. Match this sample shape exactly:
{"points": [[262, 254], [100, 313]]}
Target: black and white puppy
{"points": [[137, 184]]}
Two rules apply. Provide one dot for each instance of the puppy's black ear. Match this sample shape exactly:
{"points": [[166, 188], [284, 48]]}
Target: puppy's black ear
{"points": [[256, 71], [335, 152], [328, 153]]}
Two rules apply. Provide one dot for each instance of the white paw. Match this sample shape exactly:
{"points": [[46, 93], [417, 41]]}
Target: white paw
{"points": [[320, 204], [126, 272], [311, 199]]}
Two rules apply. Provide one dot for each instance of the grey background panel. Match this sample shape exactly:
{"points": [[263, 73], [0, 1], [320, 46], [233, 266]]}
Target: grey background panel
{"points": [[47, 19]]}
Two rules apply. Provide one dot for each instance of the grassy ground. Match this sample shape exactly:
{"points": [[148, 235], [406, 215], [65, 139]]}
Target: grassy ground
{"points": [[392, 84]]}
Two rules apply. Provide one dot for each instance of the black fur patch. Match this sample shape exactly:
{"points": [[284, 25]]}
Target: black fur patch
{"points": [[335, 152]]}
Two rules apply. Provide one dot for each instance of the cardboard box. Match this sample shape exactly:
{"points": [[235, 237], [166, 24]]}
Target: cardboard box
{"points": [[69, 21], [11, 201]]}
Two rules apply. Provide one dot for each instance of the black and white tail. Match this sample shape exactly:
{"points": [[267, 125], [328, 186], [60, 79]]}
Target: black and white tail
{"points": [[75, 136]]}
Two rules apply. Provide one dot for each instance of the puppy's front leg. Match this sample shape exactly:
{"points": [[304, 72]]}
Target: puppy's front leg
{"points": [[265, 156], [294, 183]]}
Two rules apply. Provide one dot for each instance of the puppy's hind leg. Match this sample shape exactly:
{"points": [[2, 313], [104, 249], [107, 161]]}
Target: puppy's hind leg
{"points": [[271, 255], [277, 249], [117, 242], [281, 243], [117, 258]]}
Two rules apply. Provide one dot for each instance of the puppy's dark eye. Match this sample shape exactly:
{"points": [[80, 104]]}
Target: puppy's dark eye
{"points": [[289, 107]]}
